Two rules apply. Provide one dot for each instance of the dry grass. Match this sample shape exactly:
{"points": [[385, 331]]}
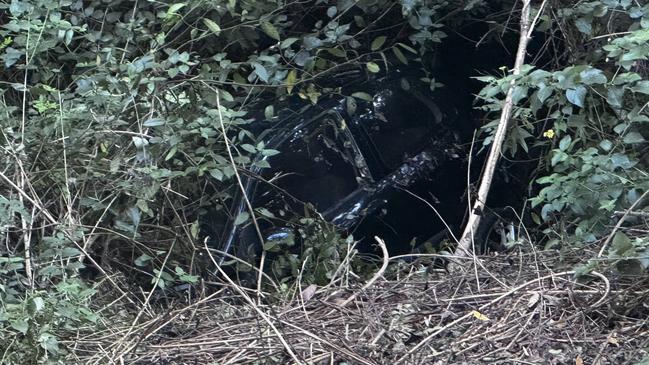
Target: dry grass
{"points": [[525, 307]]}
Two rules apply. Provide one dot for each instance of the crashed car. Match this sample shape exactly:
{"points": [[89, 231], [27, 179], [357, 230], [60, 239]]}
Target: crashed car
{"points": [[385, 163]]}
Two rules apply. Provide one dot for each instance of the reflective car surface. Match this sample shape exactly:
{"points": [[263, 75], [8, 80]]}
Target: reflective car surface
{"points": [[390, 166]]}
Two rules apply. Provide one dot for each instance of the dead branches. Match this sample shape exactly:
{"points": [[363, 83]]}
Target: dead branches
{"points": [[417, 319]]}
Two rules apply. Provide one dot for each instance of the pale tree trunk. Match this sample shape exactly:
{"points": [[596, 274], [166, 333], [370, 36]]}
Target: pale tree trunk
{"points": [[466, 244]]}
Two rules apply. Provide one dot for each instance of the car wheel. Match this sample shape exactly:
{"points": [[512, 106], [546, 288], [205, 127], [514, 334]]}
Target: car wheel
{"points": [[498, 230]]}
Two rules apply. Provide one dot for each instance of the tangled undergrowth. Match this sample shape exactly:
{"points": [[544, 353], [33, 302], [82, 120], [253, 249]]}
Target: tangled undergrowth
{"points": [[112, 149], [522, 307]]}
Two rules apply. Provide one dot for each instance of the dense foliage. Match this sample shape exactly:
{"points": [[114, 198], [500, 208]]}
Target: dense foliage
{"points": [[113, 120], [589, 116], [115, 114]]}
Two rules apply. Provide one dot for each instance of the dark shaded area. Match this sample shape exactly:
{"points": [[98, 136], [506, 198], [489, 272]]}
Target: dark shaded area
{"points": [[477, 50], [393, 167]]}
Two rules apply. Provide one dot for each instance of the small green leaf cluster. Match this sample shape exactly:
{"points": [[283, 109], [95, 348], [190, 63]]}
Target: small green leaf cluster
{"points": [[629, 255], [322, 254], [38, 311]]}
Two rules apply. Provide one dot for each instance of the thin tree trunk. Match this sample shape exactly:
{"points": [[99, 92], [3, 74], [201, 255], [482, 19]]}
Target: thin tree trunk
{"points": [[466, 243]]}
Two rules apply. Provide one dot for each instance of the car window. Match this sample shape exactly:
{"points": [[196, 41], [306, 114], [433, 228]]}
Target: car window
{"points": [[399, 125], [316, 164]]}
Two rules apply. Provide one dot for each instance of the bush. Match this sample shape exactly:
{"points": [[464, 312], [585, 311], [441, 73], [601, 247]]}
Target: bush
{"points": [[112, 134], [586, 121]]}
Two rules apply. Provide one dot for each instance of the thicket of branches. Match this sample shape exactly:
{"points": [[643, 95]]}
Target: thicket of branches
{"points": [[113, 142]]}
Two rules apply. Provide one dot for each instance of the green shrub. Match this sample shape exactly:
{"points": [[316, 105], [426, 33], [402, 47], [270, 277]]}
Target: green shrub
{"points": [[588, 120], [112, 143]]}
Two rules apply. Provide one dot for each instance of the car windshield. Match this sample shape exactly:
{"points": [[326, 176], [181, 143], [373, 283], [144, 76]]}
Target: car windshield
{"points": [[316, 165], [398, 125]]}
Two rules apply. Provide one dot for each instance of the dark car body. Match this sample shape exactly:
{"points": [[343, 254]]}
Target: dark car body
{"points": [[390, 166]]}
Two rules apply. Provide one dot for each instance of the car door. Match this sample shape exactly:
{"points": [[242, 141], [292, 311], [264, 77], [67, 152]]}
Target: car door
{"points": [[416, 163], [318, 169]]}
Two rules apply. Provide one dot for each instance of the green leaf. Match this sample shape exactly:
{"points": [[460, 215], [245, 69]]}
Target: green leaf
{"points": [[400, 56], [363, 96], [190, 279], [593, 76], [68, 36], [337, 52], [351, 105], [217, 174], [134, 215], [519, 93], [565, 143], [626, 78], [644, 22], [20, 325], [558, 156], [615, 96], [378, 42], [621, 244], [631, 267], [4, 260], [291, 78], [226, 95], [49, 342], [584, 25], [577, 96], [269, 112], [154, 122], [70, 252], [633, 137], [212, 26], [536, 219], [11, 56], [271, 246], [641, 87], [261, 71], [405, 85], [270, 30], [248, 147], [18, 7], [635, 53], [269, 152], [173, 9], [606, 145], [37, 304], [407, 48], [538, 76], [140, 142], [544, 93], [261, 163], [171, 153], [311, 42], [142, 260], [485, 79], [266, 213], [241, 218], [287, 42], [644, 258], [373, 67]]}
